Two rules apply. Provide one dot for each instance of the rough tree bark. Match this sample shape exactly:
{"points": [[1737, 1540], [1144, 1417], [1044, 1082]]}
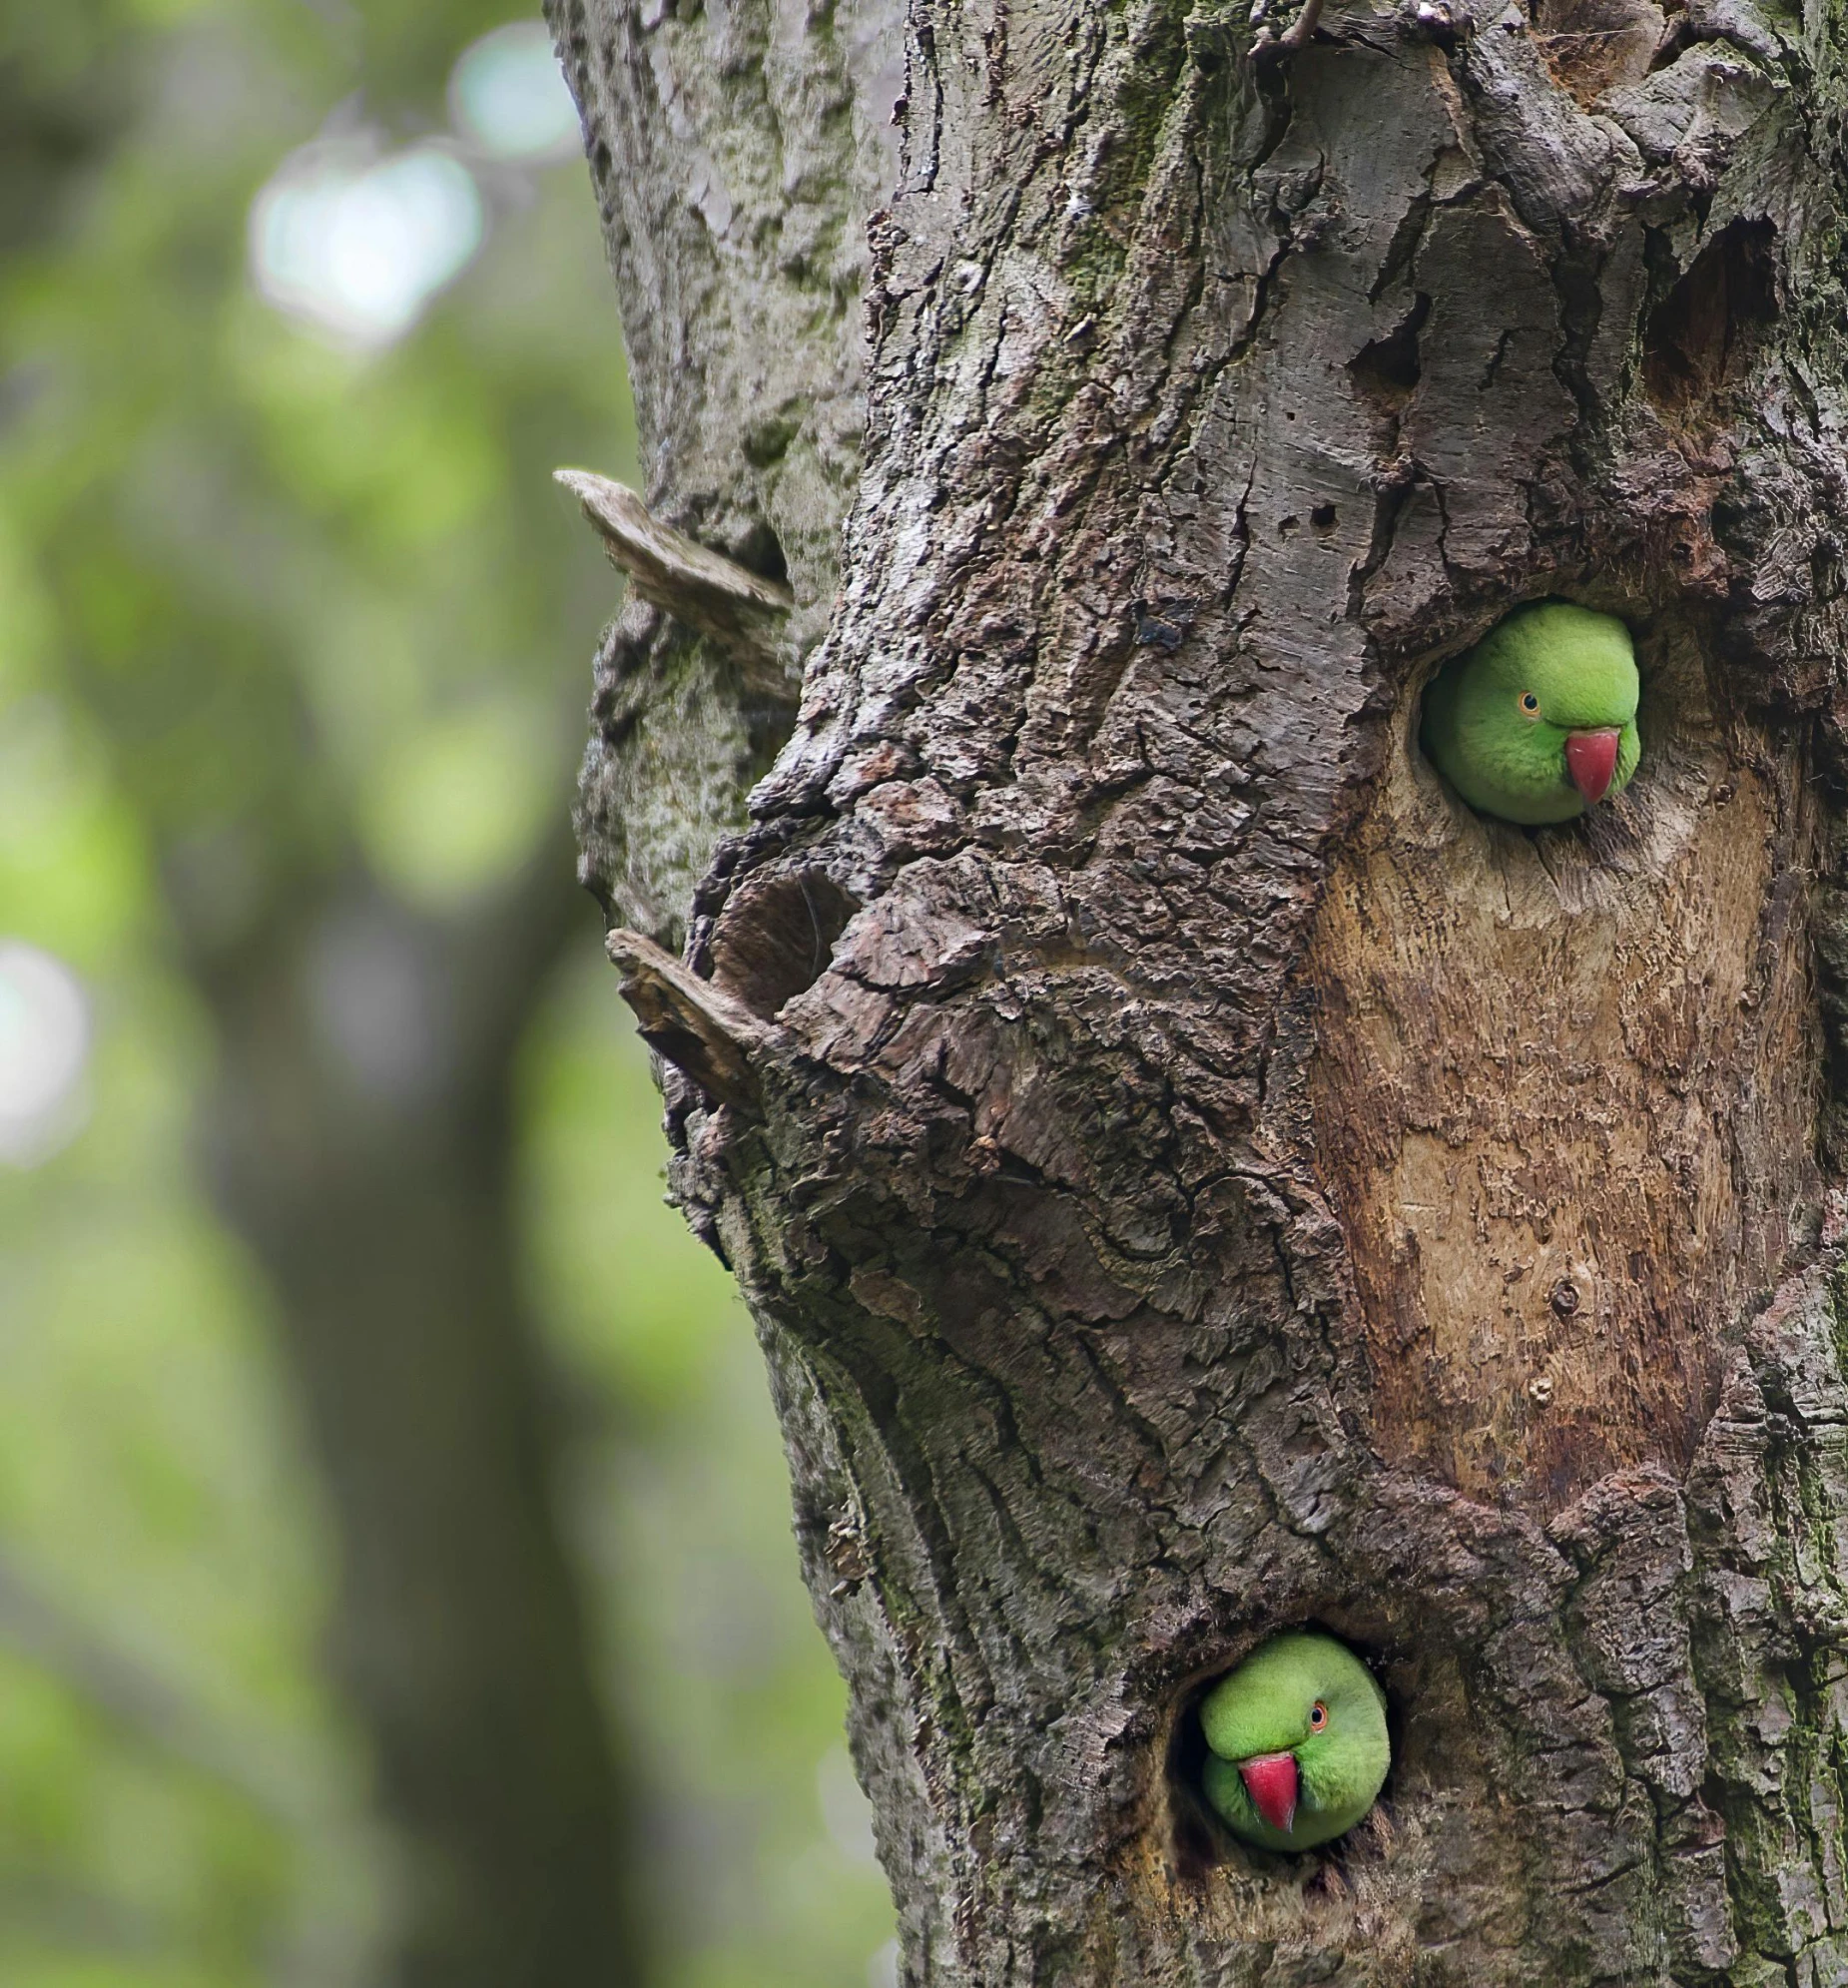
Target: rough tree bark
{"points": [[1191, 1176]]}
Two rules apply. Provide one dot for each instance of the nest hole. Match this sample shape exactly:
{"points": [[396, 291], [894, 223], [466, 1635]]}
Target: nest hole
{"points": [[776, 934], [1201, 1840], [1385, 370]]}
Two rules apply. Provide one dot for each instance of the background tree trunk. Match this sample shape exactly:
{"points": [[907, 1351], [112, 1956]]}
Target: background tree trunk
{"points": [[361, 1136], [360, 1139], [1192, 1177]]}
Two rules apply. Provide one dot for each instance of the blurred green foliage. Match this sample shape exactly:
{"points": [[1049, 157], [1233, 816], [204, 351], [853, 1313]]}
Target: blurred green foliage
{"points": [[271, 604]]}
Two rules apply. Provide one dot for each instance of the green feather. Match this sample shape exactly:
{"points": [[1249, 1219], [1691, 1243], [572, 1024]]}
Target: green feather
{"points": [[1267, 1705], [1578, 669]]}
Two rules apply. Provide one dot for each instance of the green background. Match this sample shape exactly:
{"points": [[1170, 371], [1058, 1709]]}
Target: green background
{"points": [[250, 575]]}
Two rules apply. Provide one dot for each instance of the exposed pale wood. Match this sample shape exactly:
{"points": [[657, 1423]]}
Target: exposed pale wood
{"points": [[1565, 1094]]}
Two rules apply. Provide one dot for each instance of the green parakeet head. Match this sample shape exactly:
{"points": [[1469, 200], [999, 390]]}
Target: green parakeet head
{"points": [[1538, 722], [1297, 1740]]}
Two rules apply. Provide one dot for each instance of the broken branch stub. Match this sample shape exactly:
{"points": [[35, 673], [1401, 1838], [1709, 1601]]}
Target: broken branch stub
{"points": [[694, 1024], [715, 596], [1270, 44]]}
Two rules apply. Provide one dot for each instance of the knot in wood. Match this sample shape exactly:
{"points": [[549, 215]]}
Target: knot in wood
{"points": [[846, 1551]]}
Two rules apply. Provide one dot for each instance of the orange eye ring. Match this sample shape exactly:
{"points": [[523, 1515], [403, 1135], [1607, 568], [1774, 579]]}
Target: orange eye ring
{"points": [[1530, 704], [1317, 1717]]}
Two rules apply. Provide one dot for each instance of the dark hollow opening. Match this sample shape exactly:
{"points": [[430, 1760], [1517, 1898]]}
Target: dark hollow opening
{"points": [[1386, 369], [1703, 331], [776, 936], [759, 551], [1199, 1835], [768, 440]]}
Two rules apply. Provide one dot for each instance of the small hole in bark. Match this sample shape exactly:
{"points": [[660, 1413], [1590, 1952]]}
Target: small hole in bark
{"points": [[776, 934], [1289, 525], [1163, 624], [761, 551], [1322, 518], [768, 441], [1386, 369], [1703, 331]]}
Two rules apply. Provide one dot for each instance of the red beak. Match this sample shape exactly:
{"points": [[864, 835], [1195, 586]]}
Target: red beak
{"points": [[1591, 763], [1270, 1781]]}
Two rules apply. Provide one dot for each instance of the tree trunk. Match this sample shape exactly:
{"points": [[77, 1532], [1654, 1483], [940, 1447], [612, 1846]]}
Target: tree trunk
{"points": [[1191, 1176]]}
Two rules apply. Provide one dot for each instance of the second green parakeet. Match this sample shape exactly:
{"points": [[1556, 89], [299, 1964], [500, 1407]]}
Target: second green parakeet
{"points": [[1538, 722], [1298, 1742]]}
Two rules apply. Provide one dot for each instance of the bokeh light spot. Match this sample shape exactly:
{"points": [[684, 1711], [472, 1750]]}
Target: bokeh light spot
{"points": [[456, 808], [508, 93], [358, 245], [44, 1047]]}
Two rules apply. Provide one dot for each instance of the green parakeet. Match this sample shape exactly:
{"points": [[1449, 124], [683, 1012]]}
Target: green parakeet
{"points": [[1299, 1742], [1538, 722]]}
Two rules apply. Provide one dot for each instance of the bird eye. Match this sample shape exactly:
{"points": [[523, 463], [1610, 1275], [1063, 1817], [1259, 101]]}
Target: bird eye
{"points": [[1317, 1717], [1530, 704]]}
